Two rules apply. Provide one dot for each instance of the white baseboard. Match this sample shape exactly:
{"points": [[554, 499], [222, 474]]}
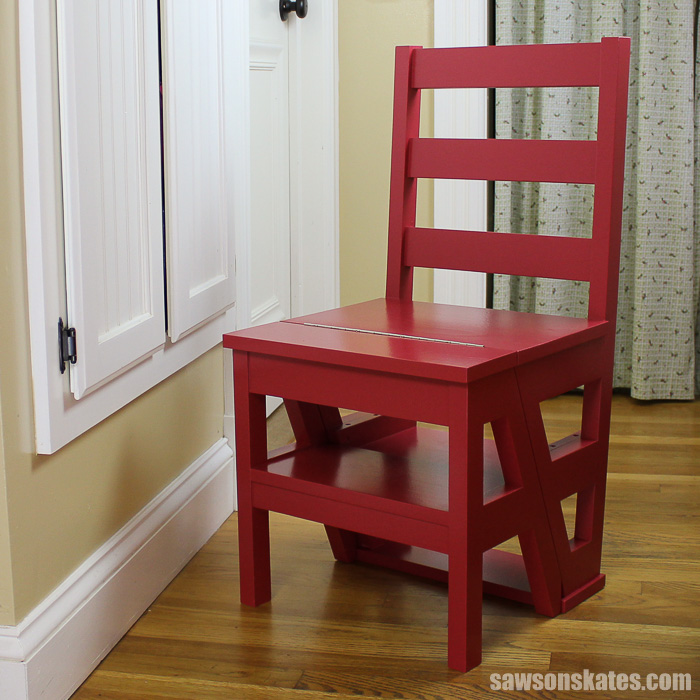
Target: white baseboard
{"points": [[53, 650]]}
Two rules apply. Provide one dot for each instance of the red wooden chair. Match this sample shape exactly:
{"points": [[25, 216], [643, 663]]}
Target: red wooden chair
{"points": [[430, 501]]}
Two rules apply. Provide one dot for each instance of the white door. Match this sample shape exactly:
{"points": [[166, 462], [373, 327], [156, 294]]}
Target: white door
{"points": [[291, 258], [270, 264], [294, 187]]}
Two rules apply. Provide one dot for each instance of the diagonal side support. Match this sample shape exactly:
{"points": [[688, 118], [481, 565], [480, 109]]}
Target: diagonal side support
{"points": [[513, 443], [575, 465], [314, 424]]}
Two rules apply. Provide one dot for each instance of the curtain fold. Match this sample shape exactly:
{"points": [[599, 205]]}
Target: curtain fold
{"points": [[658, 333]]}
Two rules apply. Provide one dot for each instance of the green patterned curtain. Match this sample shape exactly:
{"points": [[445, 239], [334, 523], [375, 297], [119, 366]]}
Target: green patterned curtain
{"points": [[658, 335]]}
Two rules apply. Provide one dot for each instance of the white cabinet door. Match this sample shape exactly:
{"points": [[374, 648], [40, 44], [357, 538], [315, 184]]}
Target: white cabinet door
{"points": [[202, 123], [110, 148]]}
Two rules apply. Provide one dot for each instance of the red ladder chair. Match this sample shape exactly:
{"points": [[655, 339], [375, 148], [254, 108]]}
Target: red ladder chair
{"points": [[430, 501]]}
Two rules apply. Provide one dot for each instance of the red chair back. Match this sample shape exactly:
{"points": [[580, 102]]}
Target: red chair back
{"points": [[599, 162]]}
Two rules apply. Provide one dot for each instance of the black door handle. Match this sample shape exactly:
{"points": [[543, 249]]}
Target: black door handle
{"points": [[301, 7]]}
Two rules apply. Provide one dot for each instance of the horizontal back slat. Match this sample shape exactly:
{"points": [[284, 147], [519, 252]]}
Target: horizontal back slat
{"points": [[505, 253], [598, 162], [522, 160], [550, 65]]}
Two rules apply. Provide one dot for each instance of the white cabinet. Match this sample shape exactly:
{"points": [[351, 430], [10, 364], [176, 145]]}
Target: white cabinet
{"points": [[134, 201], [138, 215]]}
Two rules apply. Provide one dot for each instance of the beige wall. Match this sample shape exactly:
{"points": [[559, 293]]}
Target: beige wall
{"points": [[56, 510], [368, 31], [7, 598], [9, 224]]}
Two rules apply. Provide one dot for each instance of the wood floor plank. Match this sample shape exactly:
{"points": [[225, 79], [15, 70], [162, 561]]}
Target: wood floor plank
{"points": [[145, 687]]}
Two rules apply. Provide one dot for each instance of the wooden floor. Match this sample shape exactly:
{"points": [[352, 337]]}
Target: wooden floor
{"points": [[345, 630]]}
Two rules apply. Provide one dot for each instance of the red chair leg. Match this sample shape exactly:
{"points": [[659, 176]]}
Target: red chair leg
{"points": [[254, 554], [464, 608], [312, 424], [465, 586], [253, 523]]}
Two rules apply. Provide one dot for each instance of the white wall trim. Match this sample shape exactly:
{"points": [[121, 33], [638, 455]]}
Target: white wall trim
{"points": [[51, 652], [458, 113]]}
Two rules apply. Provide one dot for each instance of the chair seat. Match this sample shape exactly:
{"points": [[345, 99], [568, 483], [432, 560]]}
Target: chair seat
{"points": [[436, 341]]}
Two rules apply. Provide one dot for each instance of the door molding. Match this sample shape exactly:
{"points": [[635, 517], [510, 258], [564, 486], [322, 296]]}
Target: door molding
{"points": [[461, 204]]}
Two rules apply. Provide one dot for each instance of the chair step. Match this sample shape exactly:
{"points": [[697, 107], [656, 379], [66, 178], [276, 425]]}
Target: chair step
{"points": [[408, 467], [504, 572]]}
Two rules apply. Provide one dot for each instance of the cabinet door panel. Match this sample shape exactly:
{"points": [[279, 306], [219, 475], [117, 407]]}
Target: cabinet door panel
{"points": [[201, 117], [111, 172]]}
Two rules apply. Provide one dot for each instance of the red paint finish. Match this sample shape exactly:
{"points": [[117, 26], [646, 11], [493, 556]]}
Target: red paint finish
{"points": [[528, 160], [555, 257], [536, 65], [430, 502]]}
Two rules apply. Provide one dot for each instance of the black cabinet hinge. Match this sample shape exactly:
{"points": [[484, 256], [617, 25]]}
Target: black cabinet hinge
{"points": [[67, 349]]}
